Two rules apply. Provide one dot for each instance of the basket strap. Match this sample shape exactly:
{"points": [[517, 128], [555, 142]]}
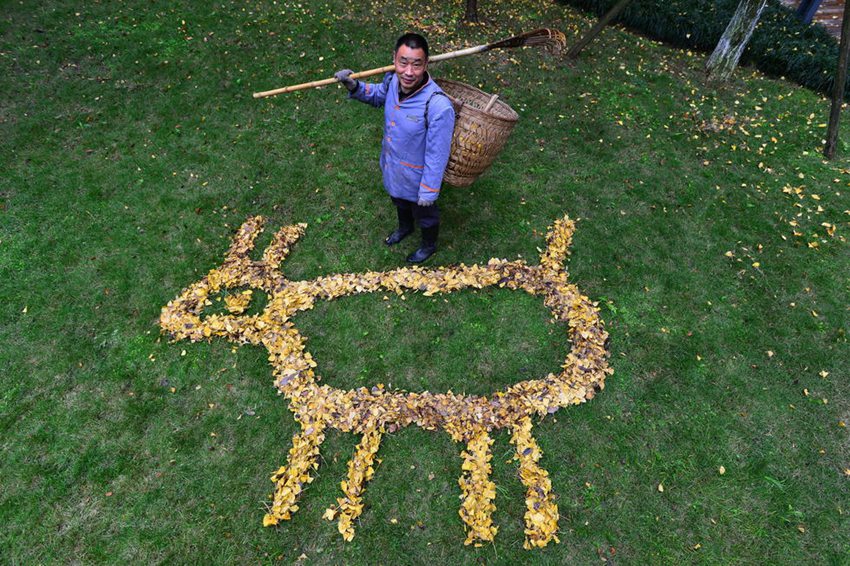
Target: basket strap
{"points": [[428, 102]]}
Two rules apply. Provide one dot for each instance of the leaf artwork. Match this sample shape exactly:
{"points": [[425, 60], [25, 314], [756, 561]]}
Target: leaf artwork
{"points": [[372, 412]]}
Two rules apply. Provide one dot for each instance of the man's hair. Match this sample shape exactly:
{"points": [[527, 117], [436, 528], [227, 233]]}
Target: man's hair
{"points": [[414, 41]]}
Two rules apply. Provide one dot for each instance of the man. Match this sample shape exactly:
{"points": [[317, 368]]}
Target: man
{"points": [[806, 10], [418, 125]]}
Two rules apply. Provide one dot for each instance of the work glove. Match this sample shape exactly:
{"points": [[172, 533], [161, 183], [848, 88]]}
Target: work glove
{"points": [[344, 76], [423, 202]]}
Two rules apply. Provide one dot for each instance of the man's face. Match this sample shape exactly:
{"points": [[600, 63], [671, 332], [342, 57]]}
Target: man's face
{"points": [[410, 66]]}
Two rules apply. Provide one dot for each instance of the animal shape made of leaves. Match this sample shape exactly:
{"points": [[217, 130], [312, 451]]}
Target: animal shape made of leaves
{"points": [[375, 411]]}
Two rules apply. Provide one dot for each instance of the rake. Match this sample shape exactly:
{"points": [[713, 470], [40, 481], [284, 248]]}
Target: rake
{"points": [[546, 38]]}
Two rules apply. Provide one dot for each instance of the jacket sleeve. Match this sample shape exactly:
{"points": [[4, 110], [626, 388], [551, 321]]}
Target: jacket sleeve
{"points": [[372, 93], [438, 145]]}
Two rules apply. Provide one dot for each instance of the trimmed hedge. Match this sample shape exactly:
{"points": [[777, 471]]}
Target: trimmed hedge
{"points": [[781, 45]]}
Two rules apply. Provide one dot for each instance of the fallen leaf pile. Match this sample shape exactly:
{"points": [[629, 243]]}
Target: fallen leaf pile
{"points": [[360, 471], [541, 516], [477, 491], [372, 412], [303, 457]]}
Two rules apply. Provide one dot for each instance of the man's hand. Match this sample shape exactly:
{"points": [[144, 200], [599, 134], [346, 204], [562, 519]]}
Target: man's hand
{"points": [[423, 202], [344, 76]]}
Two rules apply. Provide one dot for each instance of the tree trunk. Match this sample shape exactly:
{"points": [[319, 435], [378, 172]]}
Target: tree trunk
{"points": [[838, 85], [471, 14], [600, 25], [725, 57]]}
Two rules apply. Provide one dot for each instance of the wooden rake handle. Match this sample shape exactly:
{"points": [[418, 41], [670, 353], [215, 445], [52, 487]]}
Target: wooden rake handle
{"points": [[369, 73], [323, 82]]}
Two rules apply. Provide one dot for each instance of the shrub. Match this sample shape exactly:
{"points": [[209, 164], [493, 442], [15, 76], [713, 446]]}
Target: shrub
{"points": [[781, 45]]}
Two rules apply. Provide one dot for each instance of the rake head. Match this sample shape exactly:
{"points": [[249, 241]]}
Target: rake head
{"points": [[550, 39]]}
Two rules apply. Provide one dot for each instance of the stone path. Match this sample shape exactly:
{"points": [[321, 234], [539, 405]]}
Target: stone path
{"points": [[829, 14]]}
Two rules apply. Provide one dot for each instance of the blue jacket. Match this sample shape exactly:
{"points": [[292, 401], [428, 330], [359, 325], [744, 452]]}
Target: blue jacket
{"points": [[413, 157]]}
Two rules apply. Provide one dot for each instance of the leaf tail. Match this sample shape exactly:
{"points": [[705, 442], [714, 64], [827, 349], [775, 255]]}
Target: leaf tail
{"points": [[558, 242]]}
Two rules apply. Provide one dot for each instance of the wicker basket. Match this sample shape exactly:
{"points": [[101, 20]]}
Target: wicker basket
{"points": [[479, 135]]}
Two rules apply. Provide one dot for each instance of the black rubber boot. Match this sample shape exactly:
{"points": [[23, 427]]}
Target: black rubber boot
{"points": [[405, 227], [428, 247]]}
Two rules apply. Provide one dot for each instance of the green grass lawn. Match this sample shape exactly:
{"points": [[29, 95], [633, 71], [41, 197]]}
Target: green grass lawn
{"points": [[711, 231]]}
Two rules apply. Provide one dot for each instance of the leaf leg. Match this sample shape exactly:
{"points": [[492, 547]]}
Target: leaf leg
{"points": [[290, 479], [478, 492], [360, 471], [541, 516]]}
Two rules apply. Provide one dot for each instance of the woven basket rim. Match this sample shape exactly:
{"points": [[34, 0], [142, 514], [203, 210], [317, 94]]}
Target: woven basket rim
{"points": [[511, 117]]}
